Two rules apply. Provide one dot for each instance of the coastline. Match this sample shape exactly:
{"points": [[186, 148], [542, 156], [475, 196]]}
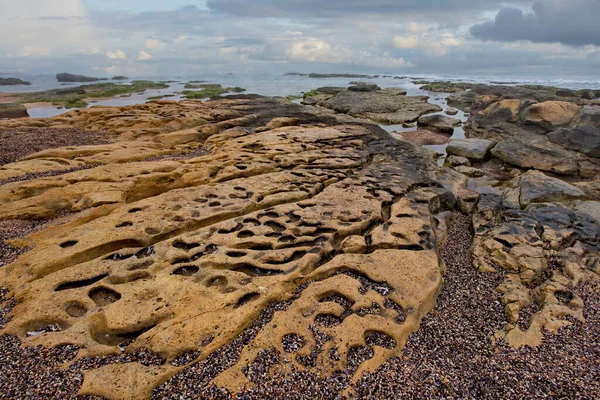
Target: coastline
{"points": [[301, 223]]}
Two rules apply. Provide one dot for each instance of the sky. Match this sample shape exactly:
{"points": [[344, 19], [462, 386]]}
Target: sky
{"points": [[554, 38]]}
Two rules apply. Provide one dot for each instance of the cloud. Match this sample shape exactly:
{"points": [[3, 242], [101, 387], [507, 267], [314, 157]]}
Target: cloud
{"points": [[154, 44], [180, 38], [406, 42], [436, 46], [116, 55], [317, 50], [44, 27], [144, 56], [572, 22], [320, 8]]}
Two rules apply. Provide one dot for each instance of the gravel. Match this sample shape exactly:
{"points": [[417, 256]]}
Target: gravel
{"points": [[17, 143], [449, 357], [47, 174]]}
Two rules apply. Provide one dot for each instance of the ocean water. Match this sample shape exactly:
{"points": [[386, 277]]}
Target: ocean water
{"points": [[281, 85]]}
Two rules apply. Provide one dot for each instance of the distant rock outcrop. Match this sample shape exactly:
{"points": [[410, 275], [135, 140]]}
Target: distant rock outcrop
{"points": [[65, 77], [13, 81]]}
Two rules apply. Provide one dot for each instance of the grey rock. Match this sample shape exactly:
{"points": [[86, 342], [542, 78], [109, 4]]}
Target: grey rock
{"points": [[315, 100], [456, 161], [587, 116], [469, 171], [439, 123], [538, 153], [394, 91], [537, 187], [364, 87], [585, 139], [591, 208], [331, 90], [13, 110], [473, 149], [451, 111], [462, 100], [380, 106]]}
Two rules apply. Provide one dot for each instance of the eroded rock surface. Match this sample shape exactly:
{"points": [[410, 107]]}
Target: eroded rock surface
{"points": [[335, 223], [546, 250], [538, 223]]}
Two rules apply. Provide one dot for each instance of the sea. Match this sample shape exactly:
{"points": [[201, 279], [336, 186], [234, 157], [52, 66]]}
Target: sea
{"points": [[280, 85], [294, 85]]}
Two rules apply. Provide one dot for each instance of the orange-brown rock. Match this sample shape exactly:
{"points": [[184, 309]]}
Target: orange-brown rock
{"points": [[177, 253]]}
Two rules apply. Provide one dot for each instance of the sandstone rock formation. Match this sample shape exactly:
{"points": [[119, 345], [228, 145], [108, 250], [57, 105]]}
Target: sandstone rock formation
{"points": [[538, 226], [251, 237], [336, 223]]}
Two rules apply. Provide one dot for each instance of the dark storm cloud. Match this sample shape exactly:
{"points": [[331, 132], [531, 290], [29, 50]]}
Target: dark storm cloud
{"points": [[572, 22], [318, 8]]}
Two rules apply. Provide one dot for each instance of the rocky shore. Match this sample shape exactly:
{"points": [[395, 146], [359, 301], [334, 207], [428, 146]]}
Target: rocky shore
{"points": [[249, 247]]}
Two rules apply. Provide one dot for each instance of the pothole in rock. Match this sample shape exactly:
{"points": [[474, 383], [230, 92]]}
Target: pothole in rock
{"points": [[104, 296], [188, 270], [69, 243], [76, 309]]}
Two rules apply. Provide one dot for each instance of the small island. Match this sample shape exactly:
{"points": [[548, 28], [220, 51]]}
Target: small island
{"points": [[13, 82], [71, 78], [120, 78]]}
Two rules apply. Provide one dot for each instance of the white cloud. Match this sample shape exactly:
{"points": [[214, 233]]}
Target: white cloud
{"points": [[154, 44], [180, 39], [415, 27], [406, 42], [144, 56], [116, 55], [32, 51], [44, 27], [431, 45], [317, 50]]}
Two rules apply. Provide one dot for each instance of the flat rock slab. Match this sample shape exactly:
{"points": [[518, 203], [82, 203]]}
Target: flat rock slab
{"points": [[536, 152], [537, 187], [473, 149], [364, 87], [381, 106]]}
